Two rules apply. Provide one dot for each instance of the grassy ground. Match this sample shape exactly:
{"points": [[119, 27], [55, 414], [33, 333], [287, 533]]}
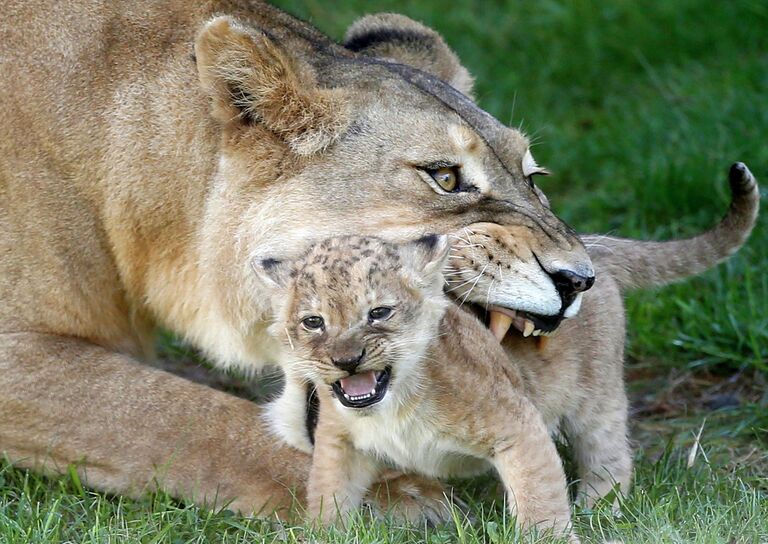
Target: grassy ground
{"points": [[638, 108]]}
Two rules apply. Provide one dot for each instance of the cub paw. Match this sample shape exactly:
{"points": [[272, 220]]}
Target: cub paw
{"points": [[414, 499]]}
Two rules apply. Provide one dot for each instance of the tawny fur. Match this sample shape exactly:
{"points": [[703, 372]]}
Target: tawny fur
{"points": [[138, 182]]}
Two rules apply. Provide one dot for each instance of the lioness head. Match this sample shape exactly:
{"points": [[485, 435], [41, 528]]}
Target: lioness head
{"points": [[356, 314], [378, 137]]}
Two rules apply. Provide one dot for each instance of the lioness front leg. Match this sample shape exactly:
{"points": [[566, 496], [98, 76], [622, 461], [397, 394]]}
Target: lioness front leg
{"points": [[131, 428], [528, 463]]}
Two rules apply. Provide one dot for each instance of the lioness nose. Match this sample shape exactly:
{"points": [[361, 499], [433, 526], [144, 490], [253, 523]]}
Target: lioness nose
{"points": [[569, 283], [349, 363]]}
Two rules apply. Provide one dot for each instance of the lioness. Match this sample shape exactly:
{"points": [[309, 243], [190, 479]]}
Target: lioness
{"points": [[150, 151], [366, 323]]}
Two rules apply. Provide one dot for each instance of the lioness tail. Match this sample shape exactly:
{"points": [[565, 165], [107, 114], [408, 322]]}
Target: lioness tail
{"points": [[637, 264]]}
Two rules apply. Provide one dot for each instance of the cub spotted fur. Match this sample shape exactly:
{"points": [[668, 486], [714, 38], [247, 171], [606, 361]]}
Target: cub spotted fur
{"points": [[367, 323]]}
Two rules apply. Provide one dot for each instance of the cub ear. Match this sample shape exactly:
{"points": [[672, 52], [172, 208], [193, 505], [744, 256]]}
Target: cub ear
{"points": [[252, 79], [403, 40], [273, 273], [427, 257]]}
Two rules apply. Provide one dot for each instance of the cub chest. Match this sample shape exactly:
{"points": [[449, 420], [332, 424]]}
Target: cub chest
{"points": [[416, 444]]}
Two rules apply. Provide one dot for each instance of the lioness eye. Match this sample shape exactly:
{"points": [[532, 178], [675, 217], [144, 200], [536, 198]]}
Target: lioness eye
{"points": [[446, 177], [380, 313], [313, 323]]}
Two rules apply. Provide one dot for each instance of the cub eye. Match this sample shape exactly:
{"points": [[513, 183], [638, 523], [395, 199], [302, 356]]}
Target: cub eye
{"points": [[380, 314], [313, 323], [446, 177]]}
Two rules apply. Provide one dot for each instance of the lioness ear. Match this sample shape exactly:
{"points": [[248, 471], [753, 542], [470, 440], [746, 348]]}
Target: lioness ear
{"points": [[396, 37], [426, 257], [251, 79], [271, 272]]}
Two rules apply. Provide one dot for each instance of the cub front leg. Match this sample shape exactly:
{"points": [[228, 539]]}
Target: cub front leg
{"points": [[340, 475], [528, 463]]}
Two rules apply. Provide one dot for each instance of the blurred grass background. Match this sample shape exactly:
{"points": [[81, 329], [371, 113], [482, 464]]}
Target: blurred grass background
{"points": [[638, 107]]}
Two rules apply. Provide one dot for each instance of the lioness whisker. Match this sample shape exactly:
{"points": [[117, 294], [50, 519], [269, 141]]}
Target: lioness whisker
{"points": [[475, 279], [480, 275], [488, 295]]}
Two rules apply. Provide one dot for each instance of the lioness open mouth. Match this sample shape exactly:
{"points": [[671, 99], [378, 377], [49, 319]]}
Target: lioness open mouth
{"points": [[529, 324], [364, 389]]}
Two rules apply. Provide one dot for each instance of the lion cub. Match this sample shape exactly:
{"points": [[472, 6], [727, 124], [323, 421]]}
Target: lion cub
{"points": [[363, 321]]}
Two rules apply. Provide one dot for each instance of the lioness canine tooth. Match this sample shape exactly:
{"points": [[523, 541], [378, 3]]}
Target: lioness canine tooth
{"points": [[500, 324]]}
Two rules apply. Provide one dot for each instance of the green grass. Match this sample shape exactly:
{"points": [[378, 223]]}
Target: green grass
{"points": [[638, 108], [719, 500]]}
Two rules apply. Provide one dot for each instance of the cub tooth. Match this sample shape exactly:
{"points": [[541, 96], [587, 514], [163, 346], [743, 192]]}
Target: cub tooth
{"points": [[529, 326], [537, 332], [500, 324]]}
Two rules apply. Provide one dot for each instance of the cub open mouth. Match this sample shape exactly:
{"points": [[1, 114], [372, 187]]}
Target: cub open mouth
{"points": [[364, 389], [529, 324]]}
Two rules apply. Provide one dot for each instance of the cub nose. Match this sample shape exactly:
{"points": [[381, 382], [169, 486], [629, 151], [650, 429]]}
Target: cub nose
{"points": [[347, 362], [569, 283]]}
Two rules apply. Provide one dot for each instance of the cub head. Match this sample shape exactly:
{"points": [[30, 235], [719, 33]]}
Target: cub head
{"points": [[356, 314], [378, 136]]}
